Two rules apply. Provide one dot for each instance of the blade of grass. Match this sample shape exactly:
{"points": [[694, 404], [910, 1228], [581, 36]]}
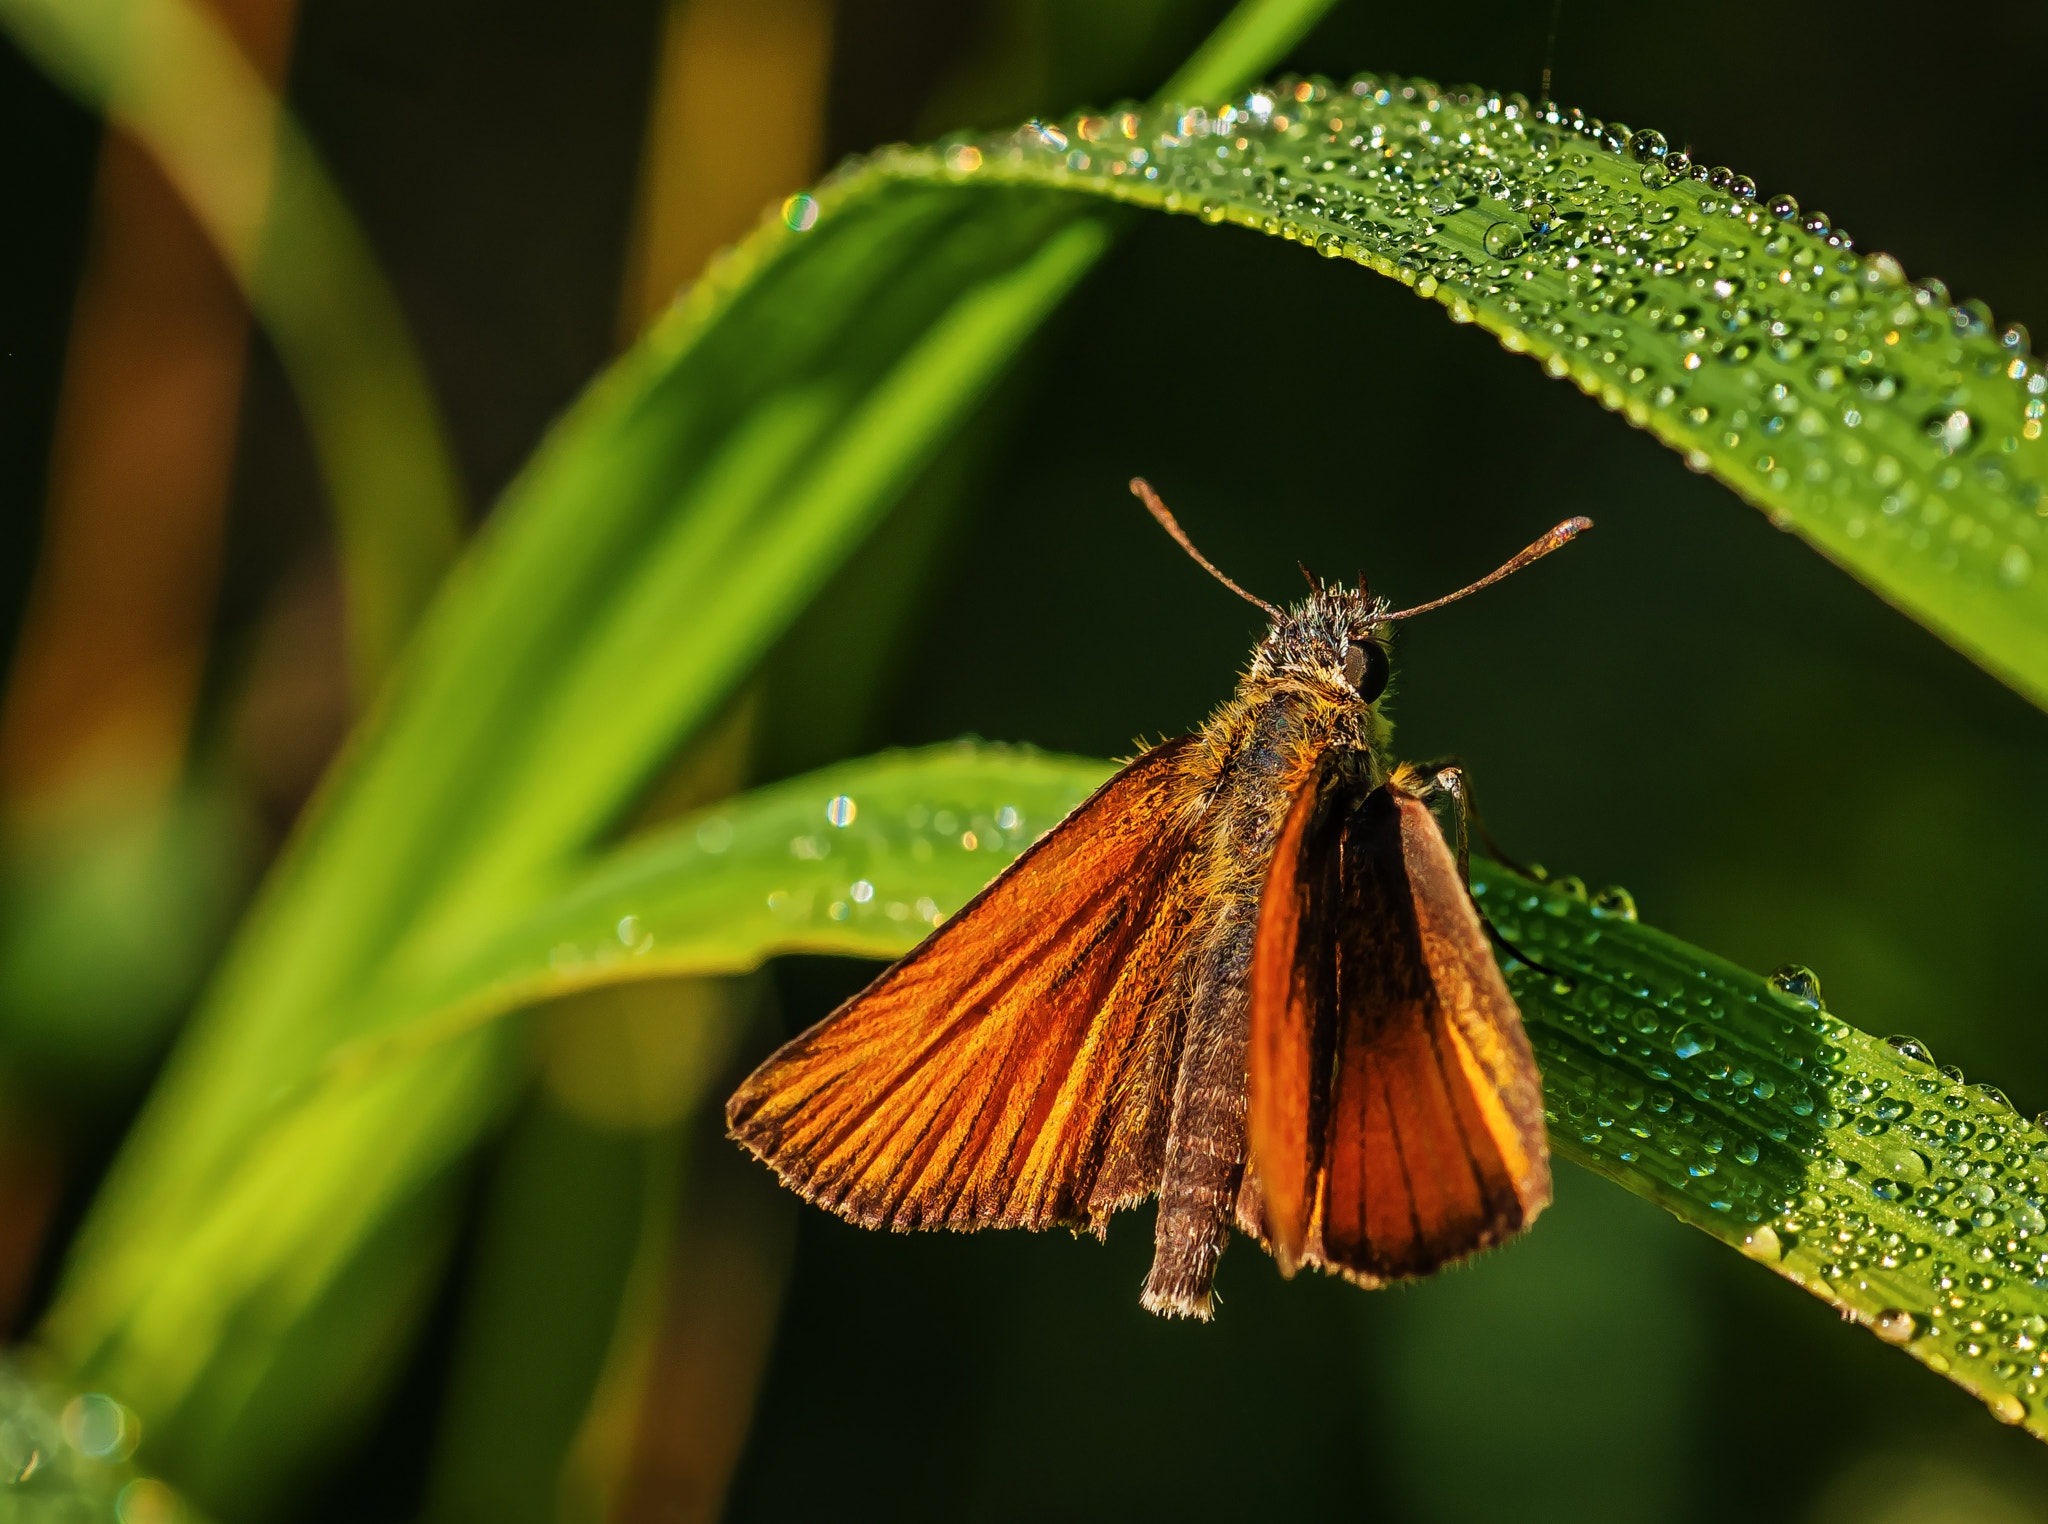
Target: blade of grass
{"points": [[1898, 432], [1251, 39], [168, 72]]}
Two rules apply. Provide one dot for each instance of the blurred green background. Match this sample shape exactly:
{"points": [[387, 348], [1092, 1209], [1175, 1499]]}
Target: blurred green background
{"points": [[1690, 704]]}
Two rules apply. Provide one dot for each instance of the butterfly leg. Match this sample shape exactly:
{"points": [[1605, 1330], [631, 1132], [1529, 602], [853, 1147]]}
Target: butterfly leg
{"points": [[1450, 777]]}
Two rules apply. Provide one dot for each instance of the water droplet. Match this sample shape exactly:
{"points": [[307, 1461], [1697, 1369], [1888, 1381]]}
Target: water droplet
{"points": [[1614, 901], [1912, 1049], [1950, 431], [1797, 983], [2015, 566], [862, 891], [714, 835], [1647, 145], [2006, 1408], [841, 810], [800, 213], [1504, 240], [629, 930], [1692, 1041], [1763, 1243], [96, 1425], [1895, 1325], [963, 158], [1783, 207]]}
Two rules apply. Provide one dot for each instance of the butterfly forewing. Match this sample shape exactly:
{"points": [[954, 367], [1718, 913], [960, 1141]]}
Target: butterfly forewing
{"points": [[1012, 1070], [1431, 1139]]}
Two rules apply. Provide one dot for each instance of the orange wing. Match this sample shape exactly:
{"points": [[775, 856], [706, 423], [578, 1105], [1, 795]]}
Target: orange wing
{"points": [[1294, 1003], [1015, 1070], [1428, 1141]]}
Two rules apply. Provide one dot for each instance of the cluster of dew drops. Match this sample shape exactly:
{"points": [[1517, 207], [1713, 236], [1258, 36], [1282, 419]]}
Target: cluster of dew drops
{"points": [[1962, 1179], [1889, 1171], [1637, 271]]}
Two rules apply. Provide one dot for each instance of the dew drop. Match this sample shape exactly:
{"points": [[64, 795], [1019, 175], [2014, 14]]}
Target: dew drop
{"points": [[1614, 901], [1763, 1243], [1783, 208], [1504, 240], [841, 810], [1912, 1049], [1647, 145], [1950, 431], [1895, 1325], [1797, 983], [800, 213], [2006, 1408], [1692, 1041]]}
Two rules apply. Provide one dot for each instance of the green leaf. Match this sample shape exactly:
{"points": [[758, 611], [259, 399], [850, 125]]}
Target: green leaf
{"points": [[169, 73], [1898, 433], [1848, 1164], [859, 858]]}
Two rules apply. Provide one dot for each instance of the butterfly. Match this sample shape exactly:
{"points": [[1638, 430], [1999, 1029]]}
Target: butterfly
{"points": [[1245, 977]]}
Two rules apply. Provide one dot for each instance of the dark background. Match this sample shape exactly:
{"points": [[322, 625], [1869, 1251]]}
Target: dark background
{"points": [[1689, 703]]}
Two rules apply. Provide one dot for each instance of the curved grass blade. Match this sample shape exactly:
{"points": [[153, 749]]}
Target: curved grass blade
{"points": [[169, 73], [1898, 432], [1848, 1164], [1250, 40], [852, 859]]}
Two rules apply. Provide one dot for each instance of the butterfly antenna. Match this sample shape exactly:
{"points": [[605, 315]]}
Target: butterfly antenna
{"points": [[1569, 530], [1142, 490]]}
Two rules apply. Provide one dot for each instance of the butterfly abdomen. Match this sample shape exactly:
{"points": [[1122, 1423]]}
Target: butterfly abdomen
{"points": [[1266, 743]]}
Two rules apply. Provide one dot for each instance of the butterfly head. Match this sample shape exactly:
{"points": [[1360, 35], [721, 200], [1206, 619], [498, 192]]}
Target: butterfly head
{"points": [[1336, 636]]}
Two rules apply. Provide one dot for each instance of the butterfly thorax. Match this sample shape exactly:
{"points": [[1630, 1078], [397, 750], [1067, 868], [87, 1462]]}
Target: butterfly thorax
{"points": [[1294, 703]]}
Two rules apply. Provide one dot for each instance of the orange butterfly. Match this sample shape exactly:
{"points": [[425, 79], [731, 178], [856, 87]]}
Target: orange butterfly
{"points": [[1245, 977]]}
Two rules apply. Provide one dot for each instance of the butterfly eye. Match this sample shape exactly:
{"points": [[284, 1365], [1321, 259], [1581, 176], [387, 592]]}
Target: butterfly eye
{"points": [[1365, 669]]}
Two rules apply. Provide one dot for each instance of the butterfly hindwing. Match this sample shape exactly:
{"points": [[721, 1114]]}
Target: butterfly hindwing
{"points": [[1410, 1050], [1293, 1000], [1013, 1069]]}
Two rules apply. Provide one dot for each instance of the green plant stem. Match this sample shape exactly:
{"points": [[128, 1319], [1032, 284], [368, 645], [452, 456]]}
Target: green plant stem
{"points": [[167, 71]]}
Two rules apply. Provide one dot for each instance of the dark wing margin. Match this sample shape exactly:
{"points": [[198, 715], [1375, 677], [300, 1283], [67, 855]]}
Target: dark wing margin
{"points": [[1015, 1069], [1382, 1023]]}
